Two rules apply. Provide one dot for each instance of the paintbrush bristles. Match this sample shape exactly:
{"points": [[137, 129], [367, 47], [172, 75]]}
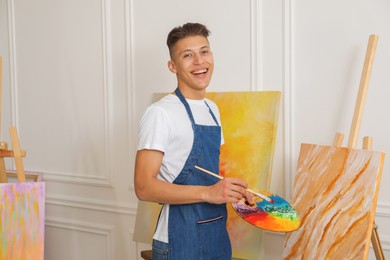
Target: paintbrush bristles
{"points": [[258, 194], [249, 190]]}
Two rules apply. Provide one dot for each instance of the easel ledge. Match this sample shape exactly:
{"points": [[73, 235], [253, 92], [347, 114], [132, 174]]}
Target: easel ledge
{"points": [[8, 153]]}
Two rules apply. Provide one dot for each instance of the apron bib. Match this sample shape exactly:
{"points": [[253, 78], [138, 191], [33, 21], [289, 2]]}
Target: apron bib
{"points": [[198, 231]]}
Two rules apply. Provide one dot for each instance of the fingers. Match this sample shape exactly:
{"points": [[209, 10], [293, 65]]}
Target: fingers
{"points": [[235, 189], [230, 190], [238, 182], [249, 198]]}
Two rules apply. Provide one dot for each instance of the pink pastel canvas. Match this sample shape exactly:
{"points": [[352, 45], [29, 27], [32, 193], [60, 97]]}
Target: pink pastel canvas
{"points": [[22, 216], [335, 194]]}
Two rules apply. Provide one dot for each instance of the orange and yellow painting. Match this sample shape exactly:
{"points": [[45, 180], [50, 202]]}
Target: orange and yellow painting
{"points": [[335, 194], [22, 226], [249, 124]]}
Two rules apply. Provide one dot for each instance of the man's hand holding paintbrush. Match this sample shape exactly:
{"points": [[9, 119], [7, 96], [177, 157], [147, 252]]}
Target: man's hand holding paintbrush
{"points": [[228, 190], [234, 184]]}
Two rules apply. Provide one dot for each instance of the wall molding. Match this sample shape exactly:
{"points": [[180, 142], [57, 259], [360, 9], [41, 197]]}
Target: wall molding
{"points": [[385, 242], [98, 229], [287, 97], [107, 88], [12, 60], [92, 204], [255, 45], [108, 85], [383, 210], [130, 82], [77, 179]]}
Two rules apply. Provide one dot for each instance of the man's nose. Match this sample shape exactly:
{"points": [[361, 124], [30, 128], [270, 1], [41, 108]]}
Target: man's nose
{"points": [[198, 59]]}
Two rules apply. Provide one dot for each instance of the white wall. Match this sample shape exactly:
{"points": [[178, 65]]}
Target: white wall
{"points": [[78, 75]]}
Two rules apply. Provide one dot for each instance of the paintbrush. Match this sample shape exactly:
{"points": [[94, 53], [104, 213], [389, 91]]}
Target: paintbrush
{"points": [[249, 190]]}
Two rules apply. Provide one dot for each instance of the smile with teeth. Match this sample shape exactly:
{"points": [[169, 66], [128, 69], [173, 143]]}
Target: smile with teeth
{"points": [[199, 72]]}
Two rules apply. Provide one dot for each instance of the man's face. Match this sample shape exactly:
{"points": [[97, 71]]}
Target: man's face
{"points": [[193, 63]]}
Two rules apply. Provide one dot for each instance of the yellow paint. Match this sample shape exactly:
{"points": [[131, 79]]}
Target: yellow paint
{"points": [[249, 123]]}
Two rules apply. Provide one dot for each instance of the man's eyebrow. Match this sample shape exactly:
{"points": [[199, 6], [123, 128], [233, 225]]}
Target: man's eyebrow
{"points": [[201, 48]]}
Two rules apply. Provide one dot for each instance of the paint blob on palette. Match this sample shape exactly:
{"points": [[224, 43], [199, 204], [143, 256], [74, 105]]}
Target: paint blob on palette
{"points": [[278, 216]]}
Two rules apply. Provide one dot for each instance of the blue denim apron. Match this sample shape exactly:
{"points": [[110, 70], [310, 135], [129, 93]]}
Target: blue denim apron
{"points": [[198, 231]]}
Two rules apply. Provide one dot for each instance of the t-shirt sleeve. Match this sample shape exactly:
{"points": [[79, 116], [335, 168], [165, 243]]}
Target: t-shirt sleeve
{"points": [[154, 129]]}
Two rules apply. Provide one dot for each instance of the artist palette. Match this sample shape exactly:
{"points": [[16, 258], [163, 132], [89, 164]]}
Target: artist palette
{"points": [[278, 216]]}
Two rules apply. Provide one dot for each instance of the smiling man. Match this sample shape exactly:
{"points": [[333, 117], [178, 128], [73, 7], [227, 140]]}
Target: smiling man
{"points": [[182, 130]]}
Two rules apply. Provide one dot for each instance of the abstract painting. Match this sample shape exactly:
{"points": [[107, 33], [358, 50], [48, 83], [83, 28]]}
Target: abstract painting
{"points": [[22, 209], [335, 194], [249, 123]]}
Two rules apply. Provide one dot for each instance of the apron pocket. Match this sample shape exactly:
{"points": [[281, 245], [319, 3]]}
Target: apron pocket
{"points": [[209, 220], [213, 238], [159, 250]]}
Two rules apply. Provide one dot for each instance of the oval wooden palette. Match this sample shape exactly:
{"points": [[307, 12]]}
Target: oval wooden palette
{"points": [[278, 216]]}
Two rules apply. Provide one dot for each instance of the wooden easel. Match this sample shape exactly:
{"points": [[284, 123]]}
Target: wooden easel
{"points": [[17, 153], [355, 127]]}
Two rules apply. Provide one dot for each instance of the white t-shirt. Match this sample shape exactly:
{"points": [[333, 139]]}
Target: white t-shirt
{"points": [[165, 126]]}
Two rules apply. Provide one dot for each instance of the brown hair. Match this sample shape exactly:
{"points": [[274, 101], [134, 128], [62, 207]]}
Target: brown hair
{"points": [[188, 29]]}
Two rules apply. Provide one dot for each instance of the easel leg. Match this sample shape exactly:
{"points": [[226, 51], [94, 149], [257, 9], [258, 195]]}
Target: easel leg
{"points": [[376, 243], [17, 154], [338, 140], [3, 172]]}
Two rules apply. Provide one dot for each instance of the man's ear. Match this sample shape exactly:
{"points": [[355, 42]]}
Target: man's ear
{"points": [[171, 66]]}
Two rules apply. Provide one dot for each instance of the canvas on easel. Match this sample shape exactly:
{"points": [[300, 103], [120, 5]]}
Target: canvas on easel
{"points": [[22, 220], [336, 191]]}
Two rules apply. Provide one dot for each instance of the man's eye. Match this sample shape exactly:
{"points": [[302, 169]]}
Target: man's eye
{"points": [[205, 52], [187, 55]]}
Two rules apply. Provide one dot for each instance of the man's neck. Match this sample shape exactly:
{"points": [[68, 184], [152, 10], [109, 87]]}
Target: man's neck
{"points": [[193, 94]]}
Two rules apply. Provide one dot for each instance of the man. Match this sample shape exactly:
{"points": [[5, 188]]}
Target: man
{"points": [[175, 134]]}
